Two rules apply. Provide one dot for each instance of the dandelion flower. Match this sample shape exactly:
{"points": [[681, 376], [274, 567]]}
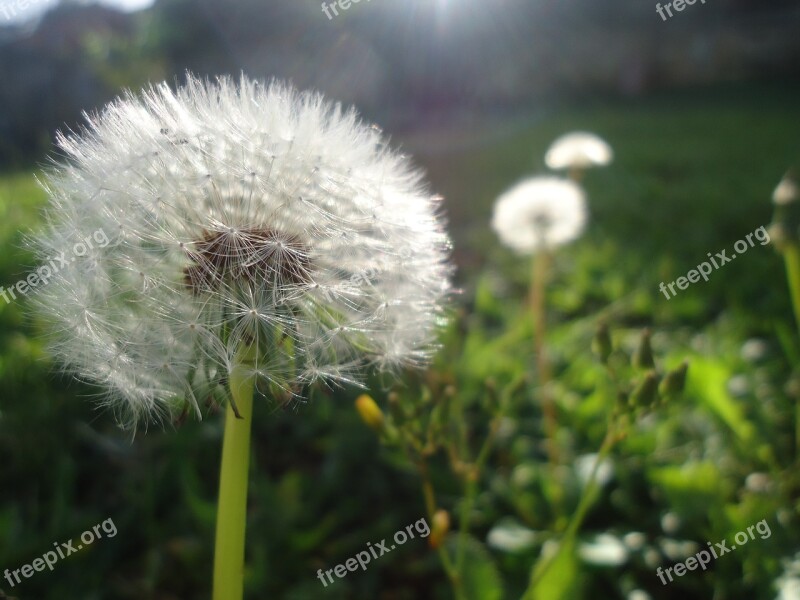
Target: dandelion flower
{"points": [[578, 150], [540, 213], [238, 216]]}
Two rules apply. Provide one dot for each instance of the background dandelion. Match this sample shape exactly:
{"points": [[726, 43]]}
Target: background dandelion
{"points": [[578, 151], [539, 214]]}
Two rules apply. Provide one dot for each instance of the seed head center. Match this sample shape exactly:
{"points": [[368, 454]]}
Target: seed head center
{"points": [[251, 256]]}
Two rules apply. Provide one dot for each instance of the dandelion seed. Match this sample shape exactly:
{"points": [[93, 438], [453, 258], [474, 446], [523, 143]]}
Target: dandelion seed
{"points": [[237, 216], [540, 213]]}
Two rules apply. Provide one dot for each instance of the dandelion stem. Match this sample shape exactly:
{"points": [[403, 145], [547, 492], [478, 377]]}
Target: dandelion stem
{"points": [[576, 174], [541, 265], [232, 506]]}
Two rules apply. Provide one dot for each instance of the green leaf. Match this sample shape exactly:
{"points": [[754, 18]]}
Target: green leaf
{"points": [[707, 381], [480, 575], [691, 488], [557, 578]]}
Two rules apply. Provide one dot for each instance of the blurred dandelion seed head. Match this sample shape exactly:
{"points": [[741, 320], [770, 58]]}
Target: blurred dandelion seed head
{"points": [[508, 535], [788, 584], [238, 214], [670, 522], [634, 540], [585, 466], [787, 191], [540, 213], [578, 150], [604, 550]]}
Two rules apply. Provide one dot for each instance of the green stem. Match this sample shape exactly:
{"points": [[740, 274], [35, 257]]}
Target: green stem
{"points": [[232, 506], [473, 477], [430, 507], [586, 501], [541, 266], [791, 255]]}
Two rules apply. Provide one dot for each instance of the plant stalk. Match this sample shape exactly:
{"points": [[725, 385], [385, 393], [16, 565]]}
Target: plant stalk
{"points": [[232, 504], [541, 266], [791, 256], [588, 498]]}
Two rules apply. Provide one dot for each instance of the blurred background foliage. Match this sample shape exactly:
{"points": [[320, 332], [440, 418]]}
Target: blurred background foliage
{"points": [[702, 112]]}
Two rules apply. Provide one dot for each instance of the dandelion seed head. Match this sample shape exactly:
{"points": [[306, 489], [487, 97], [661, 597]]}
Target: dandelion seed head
{"points": [[578, 150], [540, 213], [237, 213]]}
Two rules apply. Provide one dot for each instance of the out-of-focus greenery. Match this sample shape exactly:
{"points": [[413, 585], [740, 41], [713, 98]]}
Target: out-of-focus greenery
{"points": [[693, 174]]}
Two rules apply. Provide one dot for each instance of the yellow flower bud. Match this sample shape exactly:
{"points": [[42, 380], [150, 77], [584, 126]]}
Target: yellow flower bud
{"points": [[369, 412], [440, 528]]}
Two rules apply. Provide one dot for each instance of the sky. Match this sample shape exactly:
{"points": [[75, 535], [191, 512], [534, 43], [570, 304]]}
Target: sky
{"points": [[19, 11]]}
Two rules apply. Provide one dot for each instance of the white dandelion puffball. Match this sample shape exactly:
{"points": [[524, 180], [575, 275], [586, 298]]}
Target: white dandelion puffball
{"points": [[578, 150], [237, 217], [540, 213]]}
